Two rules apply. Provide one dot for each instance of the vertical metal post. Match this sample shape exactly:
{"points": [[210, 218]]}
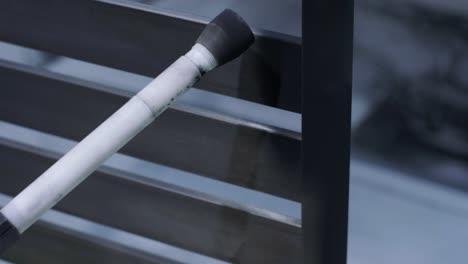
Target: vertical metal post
{"points": [[327, 77]]}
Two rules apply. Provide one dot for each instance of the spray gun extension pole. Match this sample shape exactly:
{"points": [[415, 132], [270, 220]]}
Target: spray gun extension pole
{"points": [[226, 37]]}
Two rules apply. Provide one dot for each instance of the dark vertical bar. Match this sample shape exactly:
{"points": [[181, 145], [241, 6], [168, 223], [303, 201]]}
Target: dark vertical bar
{"points": [[326, 108]]}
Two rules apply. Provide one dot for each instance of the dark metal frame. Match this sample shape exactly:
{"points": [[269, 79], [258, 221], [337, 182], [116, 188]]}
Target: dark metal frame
{"points": [[326, 108], [129, 38], [126, 36]]}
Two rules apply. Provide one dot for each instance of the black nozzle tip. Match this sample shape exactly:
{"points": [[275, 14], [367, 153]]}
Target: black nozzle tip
{"points": [[8, 234], [227, 36]]}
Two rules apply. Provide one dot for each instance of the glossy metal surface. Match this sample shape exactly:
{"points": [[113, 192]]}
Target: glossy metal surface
{"points": [[195, 101], [155, 175], [265, 15], [147, 41], [77, 240], [240, 130], [237, 154], [123, 194]]}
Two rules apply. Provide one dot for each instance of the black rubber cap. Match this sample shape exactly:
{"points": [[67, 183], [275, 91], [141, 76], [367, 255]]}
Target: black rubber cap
{"points": [[227, 36], [8, 234]]}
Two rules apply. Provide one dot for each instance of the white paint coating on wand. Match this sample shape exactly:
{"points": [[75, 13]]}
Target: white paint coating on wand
{"points": [[108, 138]]}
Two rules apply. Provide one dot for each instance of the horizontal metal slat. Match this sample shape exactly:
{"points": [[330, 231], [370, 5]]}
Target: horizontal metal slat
{"points": [[63, 248], [268, 15], [158, 176], [241, 155], [146, 42], [62, 238], [162, 212], [208, 104]]}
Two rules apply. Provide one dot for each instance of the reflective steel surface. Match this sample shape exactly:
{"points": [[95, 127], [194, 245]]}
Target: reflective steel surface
{"points": [[217, 176], [107, 244], [148, 40]]}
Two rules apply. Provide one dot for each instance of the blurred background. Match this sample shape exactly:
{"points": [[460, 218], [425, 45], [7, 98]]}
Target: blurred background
{"points": [[216, 179], [409, 168]]}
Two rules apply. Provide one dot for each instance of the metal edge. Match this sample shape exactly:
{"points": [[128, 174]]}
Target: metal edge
{"points": [[244, 114], [92, 231], [184, 183]]}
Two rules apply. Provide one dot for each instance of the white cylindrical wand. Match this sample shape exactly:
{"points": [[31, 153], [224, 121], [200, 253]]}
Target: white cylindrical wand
{"points": [[223, 39]]}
